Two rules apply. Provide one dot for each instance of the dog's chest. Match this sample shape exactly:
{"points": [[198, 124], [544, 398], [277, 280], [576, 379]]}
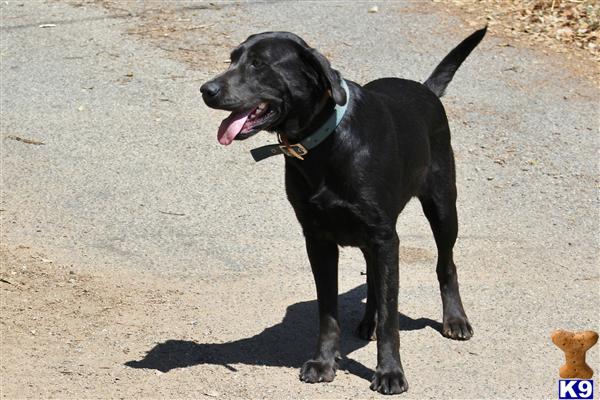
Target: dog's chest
{"points": [[336, 217]]}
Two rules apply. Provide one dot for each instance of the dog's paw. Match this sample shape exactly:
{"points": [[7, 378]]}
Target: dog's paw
{"points": [[314, 371], [389, 381], [457, 328], [366, 330]]}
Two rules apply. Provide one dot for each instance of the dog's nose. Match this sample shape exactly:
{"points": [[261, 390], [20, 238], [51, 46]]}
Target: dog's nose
{"points": [[210, 89]]}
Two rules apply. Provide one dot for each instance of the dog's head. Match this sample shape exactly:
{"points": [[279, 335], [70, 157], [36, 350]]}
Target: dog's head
{"points": [[274, 82]]}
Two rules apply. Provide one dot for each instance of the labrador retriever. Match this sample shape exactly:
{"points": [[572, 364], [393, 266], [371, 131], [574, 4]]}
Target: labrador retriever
{"points": [[354, 156]]}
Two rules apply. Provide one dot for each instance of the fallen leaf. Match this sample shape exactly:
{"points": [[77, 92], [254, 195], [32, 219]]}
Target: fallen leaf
{"points": [[24, 140]]}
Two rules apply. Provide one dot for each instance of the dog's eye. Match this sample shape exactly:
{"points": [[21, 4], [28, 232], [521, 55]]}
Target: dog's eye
{"points": [[257, 63]]}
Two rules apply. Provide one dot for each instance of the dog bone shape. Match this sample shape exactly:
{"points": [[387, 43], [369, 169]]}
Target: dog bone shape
{"points": [[575, 344]]}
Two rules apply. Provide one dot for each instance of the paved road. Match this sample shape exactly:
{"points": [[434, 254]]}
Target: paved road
{"points": [[131, 177]]}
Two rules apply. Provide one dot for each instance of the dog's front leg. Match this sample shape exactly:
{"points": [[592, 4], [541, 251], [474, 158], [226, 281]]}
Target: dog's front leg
{"points": [[323, 257], [389, 376]]}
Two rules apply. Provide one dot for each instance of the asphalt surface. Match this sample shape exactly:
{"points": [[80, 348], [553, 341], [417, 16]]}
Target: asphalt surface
{"points": [[131, 178]]}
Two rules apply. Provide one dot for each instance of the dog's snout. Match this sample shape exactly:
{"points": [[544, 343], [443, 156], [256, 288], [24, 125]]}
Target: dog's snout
{"points": [[210, 88]]}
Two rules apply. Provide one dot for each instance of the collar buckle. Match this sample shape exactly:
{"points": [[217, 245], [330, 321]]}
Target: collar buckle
{"points": [[294, 150]]}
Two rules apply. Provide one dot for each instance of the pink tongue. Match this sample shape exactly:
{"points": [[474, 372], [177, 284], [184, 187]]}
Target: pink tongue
{"points": [[231, 126]]}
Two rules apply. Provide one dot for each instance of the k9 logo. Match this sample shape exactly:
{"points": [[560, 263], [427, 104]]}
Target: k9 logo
{"points": [[575, 389]]}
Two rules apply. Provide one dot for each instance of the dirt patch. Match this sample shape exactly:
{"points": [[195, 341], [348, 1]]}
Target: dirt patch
{"points": [[67, 331], [568, 28], [202, 46], [172, 28], [416, 255]]}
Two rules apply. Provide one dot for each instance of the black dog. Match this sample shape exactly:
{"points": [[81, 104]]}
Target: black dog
{"points": [[355, 155]]}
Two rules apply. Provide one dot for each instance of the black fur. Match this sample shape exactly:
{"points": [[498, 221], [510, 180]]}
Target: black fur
{"points": [[443, 73], [393, 144]]}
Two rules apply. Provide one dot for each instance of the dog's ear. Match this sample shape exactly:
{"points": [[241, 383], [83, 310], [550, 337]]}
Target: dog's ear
{"points": [[331, 76]]}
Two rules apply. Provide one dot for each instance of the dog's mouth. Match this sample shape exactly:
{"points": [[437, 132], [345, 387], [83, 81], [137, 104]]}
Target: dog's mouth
{"points": [[242, 124]]}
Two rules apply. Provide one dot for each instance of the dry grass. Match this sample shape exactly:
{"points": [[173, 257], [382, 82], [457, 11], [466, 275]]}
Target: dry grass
{"points": [[563, 25], [567, 28]]}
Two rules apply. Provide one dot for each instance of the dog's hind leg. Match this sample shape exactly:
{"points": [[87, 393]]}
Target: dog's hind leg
{"points": [[439, 206], [366, 329], [323, 257]]}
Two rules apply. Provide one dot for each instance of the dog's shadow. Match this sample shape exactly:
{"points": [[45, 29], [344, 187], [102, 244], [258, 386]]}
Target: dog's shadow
{"points": [[287, 344]]}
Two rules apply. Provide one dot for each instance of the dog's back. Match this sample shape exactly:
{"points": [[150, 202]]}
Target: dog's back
{"points": [[411, 119]]}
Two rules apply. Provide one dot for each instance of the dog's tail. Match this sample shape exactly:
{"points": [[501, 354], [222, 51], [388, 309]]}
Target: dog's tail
{"points": [[443, 73]]}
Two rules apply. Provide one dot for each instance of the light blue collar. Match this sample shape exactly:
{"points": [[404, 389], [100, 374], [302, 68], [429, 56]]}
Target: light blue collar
{"points": [[299, 150]]}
